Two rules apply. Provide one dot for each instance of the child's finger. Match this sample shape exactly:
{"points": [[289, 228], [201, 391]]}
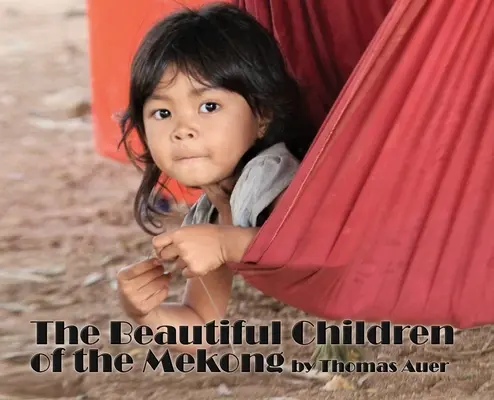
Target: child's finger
{"points": [[169, 266], [168, 253], [162, 240], [157, 298], [144, 279], [132, 271], [157, 284], [188, 273], [180, 264]]}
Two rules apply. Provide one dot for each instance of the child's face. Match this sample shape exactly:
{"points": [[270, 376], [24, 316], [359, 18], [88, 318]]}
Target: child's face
{"points": [[197, 135]]}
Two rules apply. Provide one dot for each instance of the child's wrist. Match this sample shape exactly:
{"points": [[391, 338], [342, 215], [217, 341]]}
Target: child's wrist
{"points": [[235, 241], [225, 218]]}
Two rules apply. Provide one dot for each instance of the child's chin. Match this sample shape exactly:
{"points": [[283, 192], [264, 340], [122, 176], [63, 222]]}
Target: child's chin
{"points": [[196, 183], [200, 178]]}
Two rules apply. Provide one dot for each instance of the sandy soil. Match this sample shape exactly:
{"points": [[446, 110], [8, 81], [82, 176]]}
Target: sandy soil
{"points": [[67, 226]]}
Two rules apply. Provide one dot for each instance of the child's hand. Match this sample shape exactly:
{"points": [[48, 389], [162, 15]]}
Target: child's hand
{"points": [[198, 248], [219, 195], [142, 287]]}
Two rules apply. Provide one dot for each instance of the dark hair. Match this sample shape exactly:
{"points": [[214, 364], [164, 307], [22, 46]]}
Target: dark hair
{"points": [[219, 45]]}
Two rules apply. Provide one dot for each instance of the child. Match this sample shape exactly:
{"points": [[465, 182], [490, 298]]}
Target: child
{"points": [[215, 108]]}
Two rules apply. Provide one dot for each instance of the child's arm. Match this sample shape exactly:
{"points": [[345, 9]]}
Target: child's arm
{"points": [[143, 287], [143, 292], [236, 241], [196, 307], [203, 248]]}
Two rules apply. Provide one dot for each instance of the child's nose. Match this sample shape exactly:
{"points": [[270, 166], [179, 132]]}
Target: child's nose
{"points": [[184, 134]]}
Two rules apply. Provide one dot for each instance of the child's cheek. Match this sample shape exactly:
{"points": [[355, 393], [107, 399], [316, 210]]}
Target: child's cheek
{"points": [[160, 156]]}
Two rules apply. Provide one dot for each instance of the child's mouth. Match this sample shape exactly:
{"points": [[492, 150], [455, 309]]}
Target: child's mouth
{"points": [[187, 158], [190, 158]]}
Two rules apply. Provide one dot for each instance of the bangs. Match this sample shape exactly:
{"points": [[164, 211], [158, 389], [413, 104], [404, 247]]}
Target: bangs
{"points": [[197, 48]]}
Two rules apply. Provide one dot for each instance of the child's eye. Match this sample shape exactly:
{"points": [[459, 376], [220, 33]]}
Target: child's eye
{"points": [[209, 107], [161, 114]]}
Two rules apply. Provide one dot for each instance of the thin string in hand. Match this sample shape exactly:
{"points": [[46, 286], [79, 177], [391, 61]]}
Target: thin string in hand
{"points": [[169, 267]]}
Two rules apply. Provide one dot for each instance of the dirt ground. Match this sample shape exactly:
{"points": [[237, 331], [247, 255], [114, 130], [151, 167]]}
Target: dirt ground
{"points": [[67, 226]]}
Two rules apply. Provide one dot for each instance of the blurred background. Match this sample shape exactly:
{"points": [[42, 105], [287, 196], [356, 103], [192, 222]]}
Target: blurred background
{"points": [[67, 227]]}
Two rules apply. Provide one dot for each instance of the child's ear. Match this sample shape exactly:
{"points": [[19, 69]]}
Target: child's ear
{"points": [[264, 121]]}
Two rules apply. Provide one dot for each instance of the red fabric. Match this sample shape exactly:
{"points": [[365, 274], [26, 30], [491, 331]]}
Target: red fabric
{"points": [[390, 216], [321, 40]]}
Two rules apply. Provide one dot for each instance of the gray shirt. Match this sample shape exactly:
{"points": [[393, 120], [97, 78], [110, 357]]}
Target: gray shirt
{"points": [[262, 180]]}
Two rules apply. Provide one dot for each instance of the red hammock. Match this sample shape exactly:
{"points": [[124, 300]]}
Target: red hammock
{"points": [[390, 216]]}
